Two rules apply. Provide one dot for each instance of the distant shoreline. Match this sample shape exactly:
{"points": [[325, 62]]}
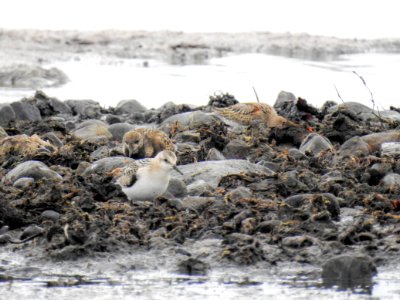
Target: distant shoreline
{"points": [[45, 46]]}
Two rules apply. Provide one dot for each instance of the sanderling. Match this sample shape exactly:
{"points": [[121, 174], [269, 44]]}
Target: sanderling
{"points": [[248, 113], [145, 142], [147, 179]]}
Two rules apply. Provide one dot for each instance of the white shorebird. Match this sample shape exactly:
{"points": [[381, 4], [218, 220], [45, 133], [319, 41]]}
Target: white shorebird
{"points": [[147, 179]]}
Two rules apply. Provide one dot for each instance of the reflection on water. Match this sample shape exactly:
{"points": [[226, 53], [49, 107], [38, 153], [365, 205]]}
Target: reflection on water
{"points": [[124, 278], [154, 83]]}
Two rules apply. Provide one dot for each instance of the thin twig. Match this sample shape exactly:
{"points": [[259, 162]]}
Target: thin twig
{"points": [[372, 97], [255, 92], [337, 91]]}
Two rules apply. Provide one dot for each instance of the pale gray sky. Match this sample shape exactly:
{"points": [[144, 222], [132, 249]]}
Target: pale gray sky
{"points": [[345, 18]]}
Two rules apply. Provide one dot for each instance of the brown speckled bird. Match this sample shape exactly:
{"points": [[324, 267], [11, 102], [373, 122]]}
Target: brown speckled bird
{"points": [[249, 113], [145, 142]]}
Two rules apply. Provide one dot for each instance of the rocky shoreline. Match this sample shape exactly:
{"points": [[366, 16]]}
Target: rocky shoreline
{"points": [[323, 193]]}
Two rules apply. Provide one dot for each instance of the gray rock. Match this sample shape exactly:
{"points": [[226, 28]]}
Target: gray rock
{"points": [[23, 182], [25, 111], [214, 154], [31, 168], [31, 76], [50, 215], [107, 164], [389, 115], [348, 271], [85, 108], [129, 107], [177, 188], [170, 109], [100, 153], [353, 107], [236, 149], [118, 130], [367, 144], [189, 120], [314, 144], [31, 230], [391, 180], [355, 146], [113, 119], [7, 114], [213, 171], [92, 131], [48, 106], [375, 140], [199, 188], [284, 100]]}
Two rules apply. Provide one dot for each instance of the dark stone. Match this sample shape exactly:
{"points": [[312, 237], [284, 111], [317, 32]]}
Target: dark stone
{"points": [[222, 100], [236, 149], [177, 188], [193, 266], [85, 108], [348, 271], [48, 106], [7, 114], [26, 112]]}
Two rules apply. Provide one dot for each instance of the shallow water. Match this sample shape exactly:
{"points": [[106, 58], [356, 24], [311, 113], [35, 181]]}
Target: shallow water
{"points": [[154, 83], [137, 276]]}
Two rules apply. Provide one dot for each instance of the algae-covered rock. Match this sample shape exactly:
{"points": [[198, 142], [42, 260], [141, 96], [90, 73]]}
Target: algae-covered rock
{"points": [[24, 145]]}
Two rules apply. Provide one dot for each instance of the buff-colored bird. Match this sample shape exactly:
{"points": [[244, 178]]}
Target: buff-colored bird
{"points": [[249, 113], [145, 142]]}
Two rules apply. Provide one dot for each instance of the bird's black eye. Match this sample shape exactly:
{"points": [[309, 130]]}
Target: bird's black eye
{"points": [[166, 160]]}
